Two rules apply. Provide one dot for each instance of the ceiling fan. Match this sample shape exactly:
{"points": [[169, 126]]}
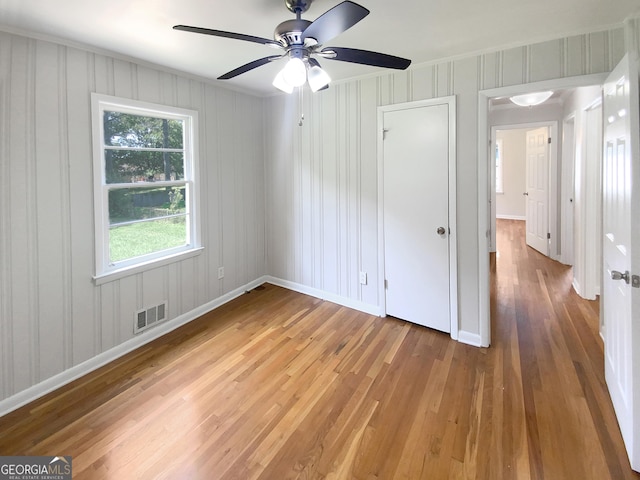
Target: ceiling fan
{"points": [[302, 40]]}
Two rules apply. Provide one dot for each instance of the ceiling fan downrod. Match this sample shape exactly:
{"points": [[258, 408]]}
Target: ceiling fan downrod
{"points": [[298, 6]]}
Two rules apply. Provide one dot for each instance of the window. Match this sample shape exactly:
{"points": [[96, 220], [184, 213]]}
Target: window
{"points": [[499, 166], [144, 184]]}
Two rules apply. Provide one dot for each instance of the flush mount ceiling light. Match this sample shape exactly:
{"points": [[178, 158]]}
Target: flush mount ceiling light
{"points": [[301, 40], [531, 99]]}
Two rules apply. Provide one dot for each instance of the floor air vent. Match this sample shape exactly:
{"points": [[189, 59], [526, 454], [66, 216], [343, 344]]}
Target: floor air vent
{"points": [[148, 317]]}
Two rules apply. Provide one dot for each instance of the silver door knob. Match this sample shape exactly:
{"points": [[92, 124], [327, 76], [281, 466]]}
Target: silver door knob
{"points": [[441, 231], [526, 193], [616, 275]]}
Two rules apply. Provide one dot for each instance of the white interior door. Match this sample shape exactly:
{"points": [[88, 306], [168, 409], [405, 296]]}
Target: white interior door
{"points": [[537, 193], [416, 215], [621, 250]]}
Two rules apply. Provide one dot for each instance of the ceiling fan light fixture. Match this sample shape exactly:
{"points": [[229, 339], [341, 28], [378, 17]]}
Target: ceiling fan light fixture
{"points": [[295, 72], [318, 78], [531, 99], [281, 84]]}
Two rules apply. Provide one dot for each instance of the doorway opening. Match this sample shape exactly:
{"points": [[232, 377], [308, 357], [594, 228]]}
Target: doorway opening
{"points": [[525, 169], [571, 105]]}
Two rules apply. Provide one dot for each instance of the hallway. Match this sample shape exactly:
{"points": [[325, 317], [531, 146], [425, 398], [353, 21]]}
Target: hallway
{"points": [[553, 368]]}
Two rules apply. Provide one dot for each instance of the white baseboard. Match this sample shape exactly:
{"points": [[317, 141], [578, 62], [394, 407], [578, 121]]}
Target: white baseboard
{"points": [[36, 391], [576, 286], [331, 297], [468, 338], [510, 217]]}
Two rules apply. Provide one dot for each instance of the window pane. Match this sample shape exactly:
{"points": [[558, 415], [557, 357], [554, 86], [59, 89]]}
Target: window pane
{"points": [[137, 239], [133, 204], [131, 166], [136, 131]]}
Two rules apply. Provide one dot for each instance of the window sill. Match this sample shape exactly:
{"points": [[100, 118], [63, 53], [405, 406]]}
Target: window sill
{"points": [[144, 267]]}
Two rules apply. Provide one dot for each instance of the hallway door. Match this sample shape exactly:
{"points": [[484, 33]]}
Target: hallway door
{"points": [[537, 192]]}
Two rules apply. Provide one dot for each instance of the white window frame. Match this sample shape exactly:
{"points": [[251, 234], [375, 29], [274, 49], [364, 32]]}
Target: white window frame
{"points": [[106, 270]]}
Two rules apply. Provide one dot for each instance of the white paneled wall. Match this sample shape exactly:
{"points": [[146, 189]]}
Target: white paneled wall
{"points": [[322, 177], [52, 316]]}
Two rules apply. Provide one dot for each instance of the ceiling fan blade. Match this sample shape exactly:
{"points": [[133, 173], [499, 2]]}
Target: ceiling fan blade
{"points": [[335, 21], [221, 33], [249, 66], [365, 57]]}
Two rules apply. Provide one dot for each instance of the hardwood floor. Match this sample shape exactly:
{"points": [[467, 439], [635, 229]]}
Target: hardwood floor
{"points": [[277, 385]]}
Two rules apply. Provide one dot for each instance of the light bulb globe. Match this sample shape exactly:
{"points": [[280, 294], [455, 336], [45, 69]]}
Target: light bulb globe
{"points": [[318, 78], [295, 72]]}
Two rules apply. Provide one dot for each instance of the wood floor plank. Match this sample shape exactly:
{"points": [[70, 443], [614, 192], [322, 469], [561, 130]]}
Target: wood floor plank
{"points": [[279, 385]]}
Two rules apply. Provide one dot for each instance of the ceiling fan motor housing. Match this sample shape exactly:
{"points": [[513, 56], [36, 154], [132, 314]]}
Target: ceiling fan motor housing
{"points": [[289, 32]]}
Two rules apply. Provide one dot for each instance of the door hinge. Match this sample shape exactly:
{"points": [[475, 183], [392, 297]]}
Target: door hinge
{"points": [[386, 284], [548, 236], [549, 140], [384, 133]]}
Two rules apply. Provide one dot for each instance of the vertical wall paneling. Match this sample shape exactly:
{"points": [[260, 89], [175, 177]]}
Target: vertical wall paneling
{"points": [[481, 71], [6, 351], [491, 70], [575, 56], [106, 305], [304, 192], [85, 314], [295, 188], [422, 82], [368, 133], [129, 292], [545, 60], [208, 152], [53, 316], [65, 220], [342, 192], [356, 189], [337, 200], [598, 59], [317, 192], [123, 80], [48, 235], [227, 181], [30, 199], [562, 54], [443, 79], [513, 61], [401, 84]]}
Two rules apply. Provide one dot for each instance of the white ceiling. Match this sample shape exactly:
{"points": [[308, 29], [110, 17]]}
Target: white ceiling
{"points": [[421, 30]]}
